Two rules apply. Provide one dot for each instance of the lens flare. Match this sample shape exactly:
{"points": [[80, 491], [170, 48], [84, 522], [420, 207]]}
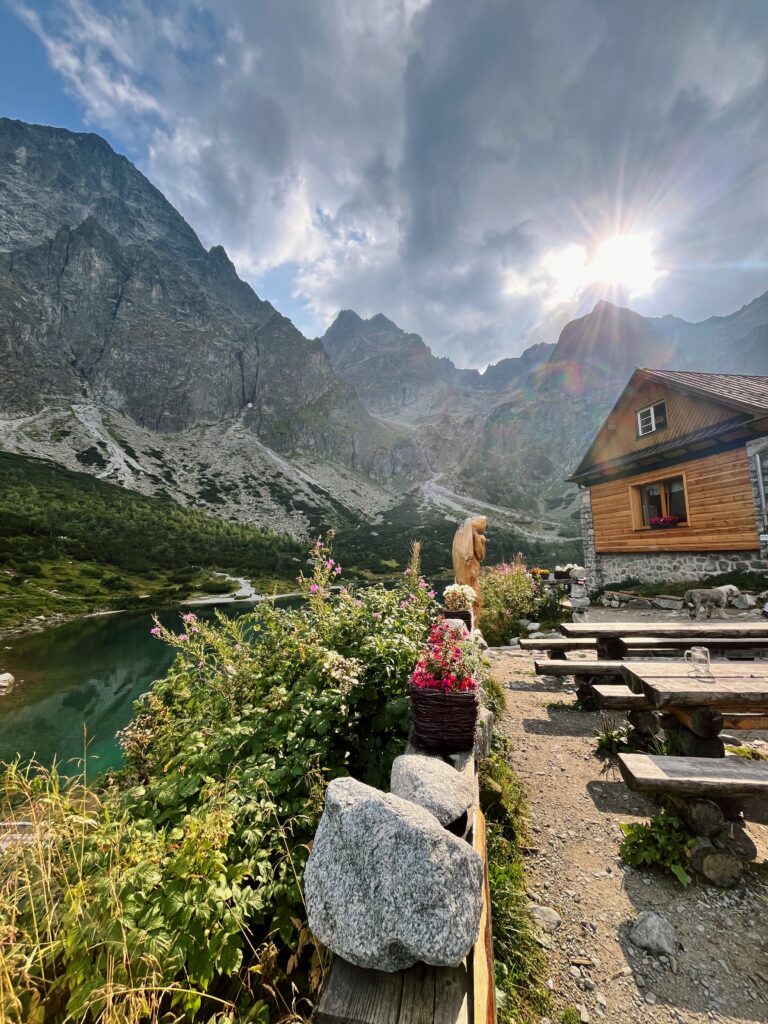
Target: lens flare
{"points": [[625, 261]]}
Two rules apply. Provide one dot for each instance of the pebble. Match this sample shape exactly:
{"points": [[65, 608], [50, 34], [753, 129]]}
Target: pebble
{"points": [[650, 997]]}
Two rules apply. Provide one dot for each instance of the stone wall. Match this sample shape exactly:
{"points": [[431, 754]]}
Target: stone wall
{"points": [[759, 446], [665, 566], [588, 538]]}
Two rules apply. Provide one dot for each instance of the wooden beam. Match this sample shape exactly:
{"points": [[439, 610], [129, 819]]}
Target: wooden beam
{"points": [[706, 777], [483, 986], [704, 722], [578, 668]]}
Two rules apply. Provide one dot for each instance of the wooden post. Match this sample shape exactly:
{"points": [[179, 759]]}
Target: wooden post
{"points": [[483, 985]]}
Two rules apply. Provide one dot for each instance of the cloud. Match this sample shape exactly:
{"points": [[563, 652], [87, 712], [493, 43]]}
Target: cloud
{"points": [[442, 162]]}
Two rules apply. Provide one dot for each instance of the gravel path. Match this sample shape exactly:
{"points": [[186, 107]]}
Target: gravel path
{"points": [[577, 801]]}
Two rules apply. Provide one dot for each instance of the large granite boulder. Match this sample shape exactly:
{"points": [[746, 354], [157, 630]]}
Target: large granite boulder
{"points": [[386, 885], [432, 784]]}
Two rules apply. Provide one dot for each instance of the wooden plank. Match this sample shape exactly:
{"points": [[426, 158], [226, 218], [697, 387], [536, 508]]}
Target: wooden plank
{"points": [[619, 698], [745, 721], [452, 996], [727, 695], [676, 668], [417, 1003], [711, 629], [354, 995], [578, 667], [483, 987], [557, 644], [724, 643], [694, 776]]}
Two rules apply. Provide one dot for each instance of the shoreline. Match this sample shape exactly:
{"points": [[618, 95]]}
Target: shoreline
{"points": [[56, 619]]}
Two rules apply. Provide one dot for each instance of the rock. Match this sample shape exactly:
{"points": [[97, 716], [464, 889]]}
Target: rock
{"points": [[578, 572], [6, 680], [639, 602], [653, 932], [580, 603], [545, 917], [537, 636], [578, 590], [433, 785], [533, 627], [386, 885], [743, 602], [670, 604]]}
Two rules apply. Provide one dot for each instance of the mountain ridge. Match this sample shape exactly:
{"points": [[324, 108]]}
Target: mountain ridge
{"points": [[131, 351]]}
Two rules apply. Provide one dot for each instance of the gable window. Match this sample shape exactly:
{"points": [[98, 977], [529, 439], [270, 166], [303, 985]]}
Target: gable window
{"points": [[662, 503], [652, 418]]}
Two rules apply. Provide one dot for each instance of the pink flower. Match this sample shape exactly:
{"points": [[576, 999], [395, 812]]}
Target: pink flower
{"points": [[189, 617], [430, 593], [313, 588], [182, 637], [156, 631]]}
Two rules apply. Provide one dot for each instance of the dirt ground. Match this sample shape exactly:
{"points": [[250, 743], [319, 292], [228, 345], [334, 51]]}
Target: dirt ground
{"points": [[577, 802]]}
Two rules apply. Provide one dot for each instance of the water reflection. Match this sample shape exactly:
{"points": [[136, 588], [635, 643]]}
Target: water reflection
{"points": [[81, 678]]}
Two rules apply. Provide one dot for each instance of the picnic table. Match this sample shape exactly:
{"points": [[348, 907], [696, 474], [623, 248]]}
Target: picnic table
{"points": [[700, 702], [610, 636]]}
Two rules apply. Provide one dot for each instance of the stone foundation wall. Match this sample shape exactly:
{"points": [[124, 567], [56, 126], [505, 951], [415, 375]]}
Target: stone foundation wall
{"points": [[664, 566]]}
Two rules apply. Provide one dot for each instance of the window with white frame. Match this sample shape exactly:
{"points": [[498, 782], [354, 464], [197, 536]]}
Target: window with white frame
{"points": [[652, 418]]}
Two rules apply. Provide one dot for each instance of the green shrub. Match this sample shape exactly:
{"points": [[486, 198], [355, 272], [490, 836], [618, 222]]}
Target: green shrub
{"points": [[175, 894], [663, 842], [508, 595], [613, 737]]}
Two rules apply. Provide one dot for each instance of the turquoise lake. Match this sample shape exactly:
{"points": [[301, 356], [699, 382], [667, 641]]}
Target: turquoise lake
{"points": [[80, 680]]}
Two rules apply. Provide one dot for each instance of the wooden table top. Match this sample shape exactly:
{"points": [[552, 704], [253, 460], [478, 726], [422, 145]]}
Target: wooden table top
{"points": [[711, 628], [726, 685]]}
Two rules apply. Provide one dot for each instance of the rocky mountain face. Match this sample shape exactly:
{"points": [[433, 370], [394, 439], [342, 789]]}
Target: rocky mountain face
{"points": [[129, 351], [511, 435], [108, 298]]}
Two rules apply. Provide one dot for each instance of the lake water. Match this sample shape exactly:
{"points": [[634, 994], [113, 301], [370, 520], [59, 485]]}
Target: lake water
{"points": [[82, 679]]}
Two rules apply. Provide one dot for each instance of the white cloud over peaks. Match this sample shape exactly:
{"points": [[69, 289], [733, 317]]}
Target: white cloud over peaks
{"points": [[452, 165]]}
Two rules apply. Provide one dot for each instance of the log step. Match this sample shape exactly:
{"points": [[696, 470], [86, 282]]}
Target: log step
{"points": [[705, 777], [619, 698]]}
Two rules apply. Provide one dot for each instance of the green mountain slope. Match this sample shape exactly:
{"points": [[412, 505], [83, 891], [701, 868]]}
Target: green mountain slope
{"points": [[70, 543]]}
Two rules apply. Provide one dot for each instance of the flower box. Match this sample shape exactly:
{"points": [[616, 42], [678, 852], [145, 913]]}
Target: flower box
{"points": [[444, 721], [562, 574], [664, 522]]}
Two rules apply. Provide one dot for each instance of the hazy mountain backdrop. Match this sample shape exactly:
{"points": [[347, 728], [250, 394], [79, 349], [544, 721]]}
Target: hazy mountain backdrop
{"points": [[129, 351]]}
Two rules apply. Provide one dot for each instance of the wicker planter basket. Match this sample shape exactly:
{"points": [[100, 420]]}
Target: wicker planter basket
{"points": [[444, 721], [465, 616]]}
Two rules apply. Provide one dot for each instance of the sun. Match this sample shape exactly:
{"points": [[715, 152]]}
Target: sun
{"points": [[625, 261]]}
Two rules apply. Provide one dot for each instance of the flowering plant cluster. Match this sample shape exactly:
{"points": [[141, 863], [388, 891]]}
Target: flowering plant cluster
{"points": [[543, 573], [662, 521], [459, 597], [449, 662]]}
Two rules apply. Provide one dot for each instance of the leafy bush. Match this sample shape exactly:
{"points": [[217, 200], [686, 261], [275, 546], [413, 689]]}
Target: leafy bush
{"points": [[547, 606], [508, 595], [175, 892], [613, 737], [663, 842]]}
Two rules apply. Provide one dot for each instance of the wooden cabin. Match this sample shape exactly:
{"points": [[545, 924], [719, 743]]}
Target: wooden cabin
{"points": [[673, 487]]}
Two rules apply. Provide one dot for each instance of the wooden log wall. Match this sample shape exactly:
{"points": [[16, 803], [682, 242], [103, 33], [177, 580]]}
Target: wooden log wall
{"points": [[721, 513]]}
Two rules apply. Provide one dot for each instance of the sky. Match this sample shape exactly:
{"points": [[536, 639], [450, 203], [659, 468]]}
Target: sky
{"points": [[479, 172]]}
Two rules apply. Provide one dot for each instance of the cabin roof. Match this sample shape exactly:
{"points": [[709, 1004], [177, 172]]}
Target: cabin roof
{"points": [[747, 395]]}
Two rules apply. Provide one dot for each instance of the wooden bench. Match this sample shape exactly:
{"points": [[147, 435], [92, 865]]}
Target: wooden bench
{"points": [[579, 668], [556, 647], [618, 698], [702, 777]]}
